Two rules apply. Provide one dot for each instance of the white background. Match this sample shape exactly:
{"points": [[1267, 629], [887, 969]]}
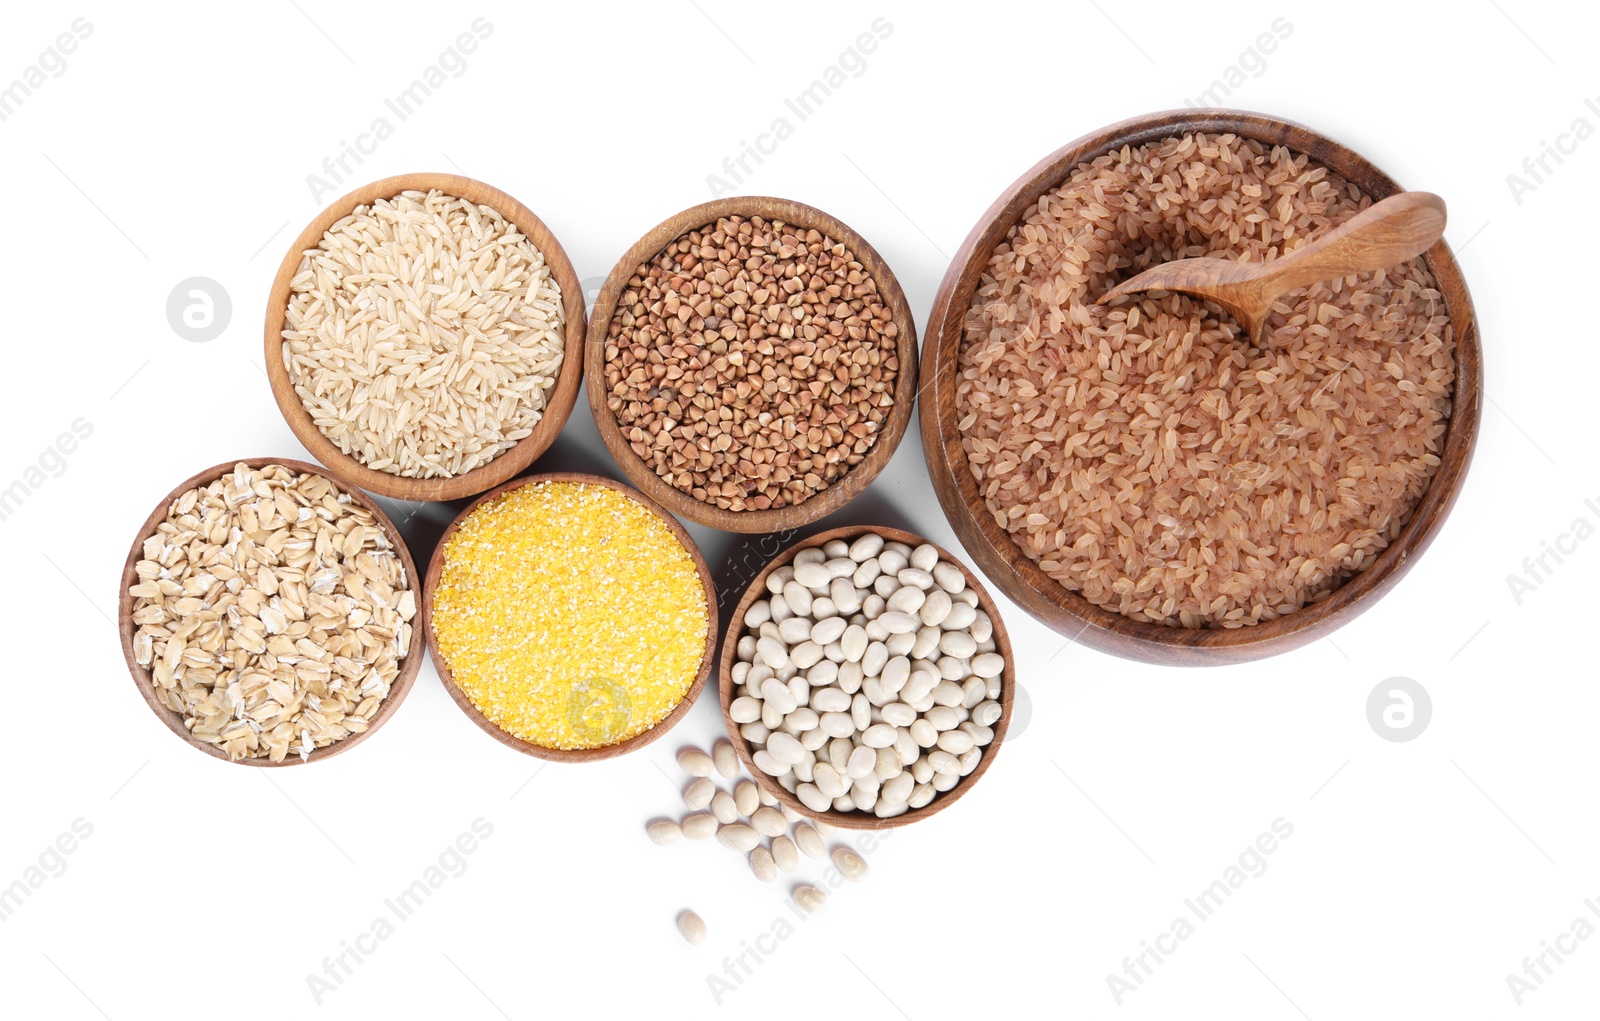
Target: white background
{"points": [[1419, 874]]}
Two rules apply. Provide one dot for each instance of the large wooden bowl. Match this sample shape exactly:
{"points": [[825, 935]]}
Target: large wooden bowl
{"points": [[431, 586], [864, 820], [558, 402], [409, 665], [820, 504], [1069, 613]]}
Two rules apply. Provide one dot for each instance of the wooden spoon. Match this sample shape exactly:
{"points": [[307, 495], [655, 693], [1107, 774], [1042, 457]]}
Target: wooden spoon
{"points": [[1384, 234]]}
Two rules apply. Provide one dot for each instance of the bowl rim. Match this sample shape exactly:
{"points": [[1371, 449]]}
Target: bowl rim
{"points": [[559, 400], [1067, 612], [410, 663], [834, 496], [660, 727], [858, 820]]}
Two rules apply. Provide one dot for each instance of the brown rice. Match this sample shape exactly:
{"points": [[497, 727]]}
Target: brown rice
{"points": [[1145, 454]]}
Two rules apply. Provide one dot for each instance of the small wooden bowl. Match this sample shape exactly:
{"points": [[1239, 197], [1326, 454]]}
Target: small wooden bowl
{"points": [[1021, 578], [431, 586], [558, 402], [830, 499], [865, 820], [409, 665]]}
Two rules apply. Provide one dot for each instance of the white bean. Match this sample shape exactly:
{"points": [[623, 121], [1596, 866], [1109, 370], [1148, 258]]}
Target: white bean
{"points": [[866, 547], [837, 724], [830, 700], [988, 664], [829, 781], [813, 798], [827, 630], [784, 854], [954, 643], [863, 761], [836, 548], [744, 710], [923, 794], [866, 574], [960, 617], [982, 627], [906, 600], [924, 733], [846, 596], [956, 742], [840, 567], [876, 656], [794, 630], [698, 794], [664, 832], [738, 837], [949, 577], [769, 763], [899, 714], [693, 927], [892, 561], [987, 714], [806, 655], [813, 574], [699, 826], [769, 822], [854, 642], [759, 613], [808, 839], [772, 653], [879, 735], [777, 695], [924, 557], [897, 623], [694, 762], [900, 645], [850, 677], [896, 671], [723, 807], [755, 732], [935, 607]]}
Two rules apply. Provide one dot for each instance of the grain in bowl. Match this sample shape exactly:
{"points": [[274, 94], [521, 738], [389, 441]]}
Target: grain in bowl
{"points": [[568, 614], [270, 613], [751, 363], [1145, 454], [424, 334]]}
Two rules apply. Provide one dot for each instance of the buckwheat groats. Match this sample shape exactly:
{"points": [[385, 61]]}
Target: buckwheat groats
{"points": [[424, 334], [569, 614], [272, 613], [1144, 453], [751, 363]]}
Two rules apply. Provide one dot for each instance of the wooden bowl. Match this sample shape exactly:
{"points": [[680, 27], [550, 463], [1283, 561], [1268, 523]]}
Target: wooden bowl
{"points": [[865, 820], [1021, 578], [558, 402], [842, 491], [431, 586], [409, 665]]}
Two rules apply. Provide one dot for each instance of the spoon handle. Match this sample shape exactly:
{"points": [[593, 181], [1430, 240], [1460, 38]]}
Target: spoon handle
{"points": [[1384, 234]]}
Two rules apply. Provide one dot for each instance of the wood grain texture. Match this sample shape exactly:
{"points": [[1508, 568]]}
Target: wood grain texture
{"points": [[864, 820], [558, 402], [431, 586], [1069, 613], [409, 665], [1387, 233], [840, 492]]}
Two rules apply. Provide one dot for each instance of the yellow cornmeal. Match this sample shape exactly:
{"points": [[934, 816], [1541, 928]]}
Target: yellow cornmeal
{"points": [[570, 614]]}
